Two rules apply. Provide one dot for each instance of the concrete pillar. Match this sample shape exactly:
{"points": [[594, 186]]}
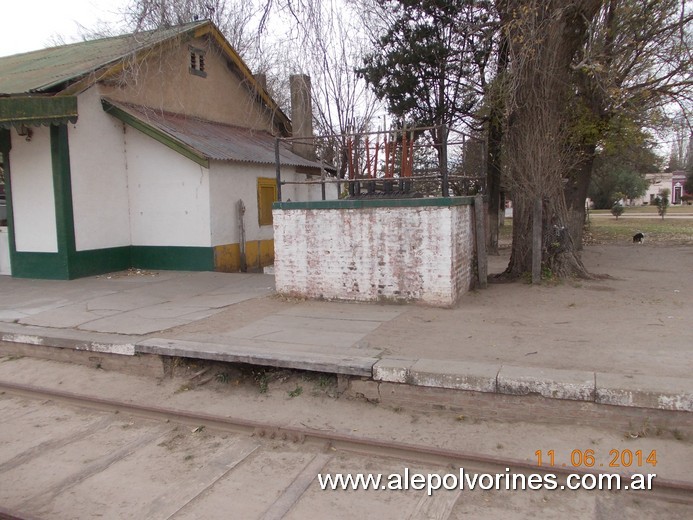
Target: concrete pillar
{"points": [[302, 115]]}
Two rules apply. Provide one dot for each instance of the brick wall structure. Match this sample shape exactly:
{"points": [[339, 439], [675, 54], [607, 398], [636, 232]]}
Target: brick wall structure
{"points": [[419, 250]]}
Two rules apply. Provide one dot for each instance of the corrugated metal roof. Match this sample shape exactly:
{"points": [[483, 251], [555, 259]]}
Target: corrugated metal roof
{"points": [[215, 140], [39, 71]]}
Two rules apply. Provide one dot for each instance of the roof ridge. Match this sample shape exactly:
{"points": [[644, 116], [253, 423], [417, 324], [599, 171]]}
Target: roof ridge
{"points": [[163, 112], [177, 28]]}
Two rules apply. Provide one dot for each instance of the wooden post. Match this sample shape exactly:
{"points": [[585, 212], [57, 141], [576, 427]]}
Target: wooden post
{"points": [[481, 256], [536, 242]]}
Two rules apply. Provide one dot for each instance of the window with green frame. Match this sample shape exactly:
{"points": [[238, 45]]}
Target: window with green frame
{"points": [[266, 195]]}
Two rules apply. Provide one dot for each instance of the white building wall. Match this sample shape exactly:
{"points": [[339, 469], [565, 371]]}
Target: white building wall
{"points": [[33, 202], [313, 192], [231, 182], [99, 179], [168, 193]]}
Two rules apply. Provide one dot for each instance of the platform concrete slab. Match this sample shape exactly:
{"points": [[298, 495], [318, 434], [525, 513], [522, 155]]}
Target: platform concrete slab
{"points": [[21, 309], [666, 393], [320, 324], [124, 301], [68, 316], [134, 322], [358, 349], [267, 330], [218, 301], [460, 375], [314, 361], [346, 311], [557, 384]]}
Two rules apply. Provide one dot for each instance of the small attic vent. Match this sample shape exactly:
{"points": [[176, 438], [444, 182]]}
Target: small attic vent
{"points": [[197, 62]]}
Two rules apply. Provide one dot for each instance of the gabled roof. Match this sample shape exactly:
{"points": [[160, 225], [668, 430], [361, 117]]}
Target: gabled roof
{"points": [[70, 69], [202, 141], [50, 70]]}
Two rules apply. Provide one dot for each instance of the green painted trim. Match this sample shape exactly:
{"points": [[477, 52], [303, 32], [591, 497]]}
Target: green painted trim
{"points": [[377, 203], [56, 266], [155, 133], [45, 266], [100, 261], [174, 258], [36, 111], [26, 264], [62, 190]]}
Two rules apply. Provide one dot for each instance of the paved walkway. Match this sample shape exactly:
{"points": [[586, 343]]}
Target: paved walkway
{"points": [[618, 341]]}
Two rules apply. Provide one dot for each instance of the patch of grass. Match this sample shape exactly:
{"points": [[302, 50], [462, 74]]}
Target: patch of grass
{"points": [[655, 229], [646, 210], [183, 388], [296, 392], [262, 379], [222, 377], [11, 358]]}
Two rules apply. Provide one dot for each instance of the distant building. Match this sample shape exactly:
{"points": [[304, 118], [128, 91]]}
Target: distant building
{"points": [[678, 181], [673, 181]]}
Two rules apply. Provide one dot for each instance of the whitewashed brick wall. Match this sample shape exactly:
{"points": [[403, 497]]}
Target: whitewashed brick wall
{"points": [[423, 253]]}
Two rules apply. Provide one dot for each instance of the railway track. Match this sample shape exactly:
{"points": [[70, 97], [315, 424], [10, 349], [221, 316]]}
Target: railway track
{"points": [[317, 451]]}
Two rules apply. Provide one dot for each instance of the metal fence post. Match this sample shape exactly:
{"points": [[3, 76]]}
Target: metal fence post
{"points": [[279, 175]]}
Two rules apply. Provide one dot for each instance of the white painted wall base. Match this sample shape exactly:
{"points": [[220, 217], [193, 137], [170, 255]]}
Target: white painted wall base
{"points": [[423, 253], [5, 267]]}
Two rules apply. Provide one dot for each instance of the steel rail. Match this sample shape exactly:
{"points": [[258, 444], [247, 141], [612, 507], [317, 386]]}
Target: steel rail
{"points": [[663, 489]]}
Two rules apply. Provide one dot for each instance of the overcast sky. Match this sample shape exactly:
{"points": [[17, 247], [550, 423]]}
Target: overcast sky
{"points": [[30, 25]]}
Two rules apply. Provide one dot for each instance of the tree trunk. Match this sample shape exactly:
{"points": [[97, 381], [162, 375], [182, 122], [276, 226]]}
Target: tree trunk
{"points": [[494, 148], [493, 184], [543, 37], [576, 194]]}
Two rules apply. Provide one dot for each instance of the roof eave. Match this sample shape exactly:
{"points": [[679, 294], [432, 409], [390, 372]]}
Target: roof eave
{"points": [[153, 132]]}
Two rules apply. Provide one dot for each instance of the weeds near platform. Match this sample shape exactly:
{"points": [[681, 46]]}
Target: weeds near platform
{"points": [[262, 379], [296, 392], [222, 377]]}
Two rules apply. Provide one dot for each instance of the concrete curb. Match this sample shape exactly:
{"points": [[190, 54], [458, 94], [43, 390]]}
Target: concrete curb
{"points": [[637, 391], [662, 393], [102, 343]]}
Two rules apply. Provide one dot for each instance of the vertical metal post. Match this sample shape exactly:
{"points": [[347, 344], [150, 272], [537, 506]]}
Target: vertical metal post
{"points": [[444, 160], [322, 177], [481, 252], [536, 241], [279, 175]]}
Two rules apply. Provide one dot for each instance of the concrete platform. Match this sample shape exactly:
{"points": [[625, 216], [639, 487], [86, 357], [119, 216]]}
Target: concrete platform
{"points": [[238, 318]]}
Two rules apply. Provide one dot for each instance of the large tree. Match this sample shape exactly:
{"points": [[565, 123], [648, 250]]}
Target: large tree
{"points": [[428, 63], [580, 69], [637, 59], [544, 38], [620, 168]]}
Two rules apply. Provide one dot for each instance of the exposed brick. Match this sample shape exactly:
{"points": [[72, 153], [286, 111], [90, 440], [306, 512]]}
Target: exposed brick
{"points": [[369, 254]]}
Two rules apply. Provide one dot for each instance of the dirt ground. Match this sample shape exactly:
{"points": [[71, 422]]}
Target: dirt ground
{"points": [[61, 461], [614, 325]]}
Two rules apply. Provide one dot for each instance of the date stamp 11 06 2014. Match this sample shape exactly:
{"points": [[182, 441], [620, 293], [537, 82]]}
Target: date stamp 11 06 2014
{"points": [[587, 459]]}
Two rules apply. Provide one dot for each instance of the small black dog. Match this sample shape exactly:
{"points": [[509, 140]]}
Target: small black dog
{"points": [[638, 238]]}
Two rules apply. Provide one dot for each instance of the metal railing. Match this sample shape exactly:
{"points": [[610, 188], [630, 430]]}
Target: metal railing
{"points": [[385, 163]]}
